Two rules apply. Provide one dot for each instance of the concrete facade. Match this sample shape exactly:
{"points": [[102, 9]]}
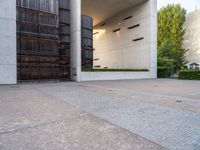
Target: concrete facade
{"points": [[8, 73], [119, 50], [192, 40]]}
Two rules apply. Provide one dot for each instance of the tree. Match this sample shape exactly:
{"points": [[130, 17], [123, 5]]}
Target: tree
{"points": [[170, 36], [165, 56]]}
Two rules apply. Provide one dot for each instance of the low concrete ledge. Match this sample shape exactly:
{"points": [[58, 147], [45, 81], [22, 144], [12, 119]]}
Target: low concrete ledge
{"points": [[97, 76]]}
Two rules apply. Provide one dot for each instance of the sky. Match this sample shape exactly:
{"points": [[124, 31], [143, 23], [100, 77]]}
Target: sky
{"points": [[189, 5]]}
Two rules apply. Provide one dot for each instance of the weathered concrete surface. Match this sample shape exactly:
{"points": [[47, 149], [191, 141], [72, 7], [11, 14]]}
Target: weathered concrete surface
{"points": [[33, 120], [166, 112], [101, 115]]}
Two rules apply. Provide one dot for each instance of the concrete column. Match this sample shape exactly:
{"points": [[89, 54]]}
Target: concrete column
{"points": [[153, 9], [75, 50], [8, 52]]}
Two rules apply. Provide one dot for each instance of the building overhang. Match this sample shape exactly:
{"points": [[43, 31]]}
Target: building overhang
{"points": [[102, 10]]}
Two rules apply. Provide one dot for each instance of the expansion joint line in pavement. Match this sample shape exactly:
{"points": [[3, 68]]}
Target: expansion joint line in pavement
{"points": [[87, 112], [31, 126], [37, 125]]}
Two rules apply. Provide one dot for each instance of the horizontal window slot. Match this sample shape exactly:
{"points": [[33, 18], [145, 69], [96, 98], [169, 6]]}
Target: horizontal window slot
{"points": [[129, 17], [138, 39], [96, 59], [103, 24], [116, 30], [96, 33], [97, 66], [135, 26]]}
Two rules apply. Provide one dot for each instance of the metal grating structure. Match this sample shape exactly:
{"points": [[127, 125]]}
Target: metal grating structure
{"points": [[87, 42], [43, 40], [64, 39]]}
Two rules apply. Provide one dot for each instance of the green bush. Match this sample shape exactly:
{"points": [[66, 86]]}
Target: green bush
{"points": [[163, 72], [189, 74]]}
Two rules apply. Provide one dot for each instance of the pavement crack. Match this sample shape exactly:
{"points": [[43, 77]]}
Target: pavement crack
{"points": [[31, 126]]}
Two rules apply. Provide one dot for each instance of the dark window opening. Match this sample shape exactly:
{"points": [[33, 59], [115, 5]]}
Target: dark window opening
{"points": [[129, 17], [135, 26], [97, 66], [138, 39], [103, 24], [96, 59], [96, 33], [116, 30]]}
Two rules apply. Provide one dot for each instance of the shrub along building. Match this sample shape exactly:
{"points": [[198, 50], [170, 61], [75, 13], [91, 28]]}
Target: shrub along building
{"points": [[51, 40]]}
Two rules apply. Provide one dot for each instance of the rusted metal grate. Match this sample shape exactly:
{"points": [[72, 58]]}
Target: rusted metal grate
{"points": [[42, 52], [87, 42], [64, 38]]}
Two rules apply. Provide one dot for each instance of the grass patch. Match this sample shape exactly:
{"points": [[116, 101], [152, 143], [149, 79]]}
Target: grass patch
{"points": [[115, 70]]}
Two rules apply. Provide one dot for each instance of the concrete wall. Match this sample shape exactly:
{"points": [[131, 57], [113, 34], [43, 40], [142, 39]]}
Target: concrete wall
{"points": [[117, 49], [98, 76], [8, 42], [192, 37]]}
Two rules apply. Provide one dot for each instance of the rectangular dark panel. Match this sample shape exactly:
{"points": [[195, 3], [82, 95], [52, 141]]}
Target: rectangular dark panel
{"points": [[42, 40], [116, 30], [135, 26], [87, 42], [138, 39], [129, 17]]}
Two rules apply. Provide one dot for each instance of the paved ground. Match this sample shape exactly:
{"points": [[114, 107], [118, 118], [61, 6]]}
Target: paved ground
{"points": [[132, 114]]}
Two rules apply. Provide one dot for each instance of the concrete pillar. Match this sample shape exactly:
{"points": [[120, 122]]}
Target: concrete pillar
{"points": [[8, 52], [75, 50], [153, 9]]}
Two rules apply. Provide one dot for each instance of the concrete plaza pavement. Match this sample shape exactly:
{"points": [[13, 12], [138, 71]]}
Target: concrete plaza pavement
{"points": [[130, 114]]}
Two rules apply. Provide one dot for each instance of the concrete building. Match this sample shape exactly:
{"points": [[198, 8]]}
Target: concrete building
{"points": [[8, 52], [192, 37], [125, 37]]}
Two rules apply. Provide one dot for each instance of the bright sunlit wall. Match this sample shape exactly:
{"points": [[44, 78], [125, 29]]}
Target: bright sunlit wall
{"points": [[124, 41]]}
